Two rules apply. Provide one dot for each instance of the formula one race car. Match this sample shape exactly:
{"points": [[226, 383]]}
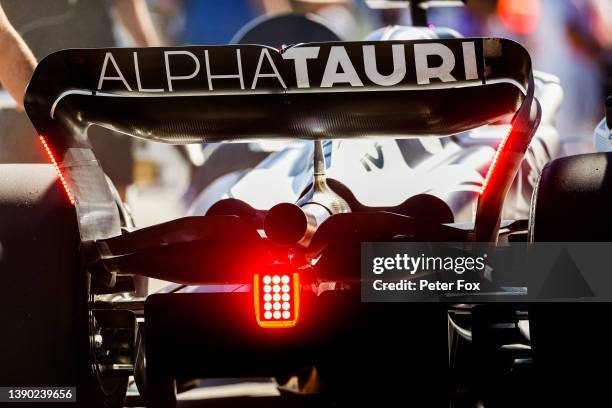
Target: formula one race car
{"points": [[277, 262]]}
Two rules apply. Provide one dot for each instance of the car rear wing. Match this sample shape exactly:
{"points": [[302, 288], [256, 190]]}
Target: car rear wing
{"points": [[310, 91]]}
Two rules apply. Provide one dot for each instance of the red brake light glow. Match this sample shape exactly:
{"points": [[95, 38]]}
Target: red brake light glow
{"points": [[500, 148], [59, 172], [277, 299]]}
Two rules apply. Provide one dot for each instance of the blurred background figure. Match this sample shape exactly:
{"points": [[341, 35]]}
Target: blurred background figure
{"points": [[349, 18], [16, 60], [54, 25], [567, 38], [51, 25], [589, 30], [190, 21], [213, 22]]}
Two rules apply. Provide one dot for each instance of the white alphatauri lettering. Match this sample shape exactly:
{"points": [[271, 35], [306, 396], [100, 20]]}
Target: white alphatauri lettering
{"points": [[119, 77], [399, 65], [300, 55], [424, 72], [139, 81], [258, 74], [338, 58], [469, 60], [170, 77], [210, 76], [338, 69]]}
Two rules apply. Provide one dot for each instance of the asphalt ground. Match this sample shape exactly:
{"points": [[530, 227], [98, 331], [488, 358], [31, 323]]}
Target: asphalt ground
{"points": [[249, 393]]}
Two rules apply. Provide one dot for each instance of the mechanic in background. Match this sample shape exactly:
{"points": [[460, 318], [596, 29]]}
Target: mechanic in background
{"points": [[16, 60], [52, 25]]}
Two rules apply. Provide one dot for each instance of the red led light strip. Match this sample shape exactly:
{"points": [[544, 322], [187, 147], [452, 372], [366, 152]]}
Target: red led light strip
{"points": [[59, 172], [500, 147]]}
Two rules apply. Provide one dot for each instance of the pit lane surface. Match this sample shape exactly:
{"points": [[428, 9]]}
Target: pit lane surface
{"points": [[253, 393]]}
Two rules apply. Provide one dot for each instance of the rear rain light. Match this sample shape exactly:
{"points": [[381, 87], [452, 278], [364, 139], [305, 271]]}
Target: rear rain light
{"points": [[277, 299]]}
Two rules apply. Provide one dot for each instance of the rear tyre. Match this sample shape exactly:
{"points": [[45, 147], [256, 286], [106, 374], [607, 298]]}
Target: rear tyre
{"points": [[49, 341], [573, 202]]}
